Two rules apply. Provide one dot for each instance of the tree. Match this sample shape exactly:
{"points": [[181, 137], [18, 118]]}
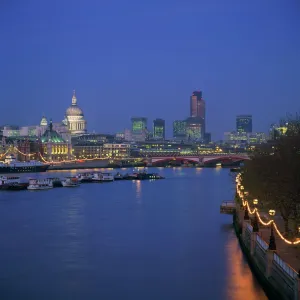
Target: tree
{"points": [[273, 175]]}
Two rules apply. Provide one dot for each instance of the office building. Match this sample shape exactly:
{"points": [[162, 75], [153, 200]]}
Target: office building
{"points": [[194, 129], [244, 123], [197, 109], [116, 150], [207, 137], [139, 128], [179, 129], [234, 137], [159, 129]]}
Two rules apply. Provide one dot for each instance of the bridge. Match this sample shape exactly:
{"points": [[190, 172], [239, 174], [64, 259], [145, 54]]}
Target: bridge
{"points": [[203, 160]]}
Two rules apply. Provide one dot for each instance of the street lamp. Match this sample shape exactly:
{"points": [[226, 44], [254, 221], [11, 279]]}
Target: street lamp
{"points": [[272, 243], [246, 216], [255, 222]]}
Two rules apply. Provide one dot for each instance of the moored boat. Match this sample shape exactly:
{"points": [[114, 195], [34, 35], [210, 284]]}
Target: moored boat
{"points": [[107, 177], [11, 165], [70, 182], [102, 177], [56, 182], [36, 184], [142, 176], [12, 183], [85, 177], [118, 176]]}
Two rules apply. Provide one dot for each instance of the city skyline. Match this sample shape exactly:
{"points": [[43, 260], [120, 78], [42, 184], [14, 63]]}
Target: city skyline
{"points": [[148, 62]]}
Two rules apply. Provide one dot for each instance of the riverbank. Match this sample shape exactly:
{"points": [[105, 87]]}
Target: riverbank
{"points": [[95, 164], [279, 279], [105, 164]]}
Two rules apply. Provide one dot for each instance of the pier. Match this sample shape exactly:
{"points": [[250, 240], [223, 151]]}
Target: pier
{"points": [[227, 207]]}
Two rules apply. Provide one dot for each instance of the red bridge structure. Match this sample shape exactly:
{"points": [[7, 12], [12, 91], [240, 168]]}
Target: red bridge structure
{"points": [[202, 160]]}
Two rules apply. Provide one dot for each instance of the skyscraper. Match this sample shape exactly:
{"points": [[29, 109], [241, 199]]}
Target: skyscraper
{"points": [[244, 123], [194, 129], [159, 129], [139, 128], [197, 109], [179, 129]]}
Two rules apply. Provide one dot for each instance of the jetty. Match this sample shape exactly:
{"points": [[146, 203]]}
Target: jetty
{"points": [[227, 207]]}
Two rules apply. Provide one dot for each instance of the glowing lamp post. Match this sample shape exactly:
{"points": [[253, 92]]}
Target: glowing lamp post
{"points": [[255, 222], [246, 216], [272, 243]]}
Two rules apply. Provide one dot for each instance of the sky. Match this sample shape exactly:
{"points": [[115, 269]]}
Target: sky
{"points": [[144, 58]]}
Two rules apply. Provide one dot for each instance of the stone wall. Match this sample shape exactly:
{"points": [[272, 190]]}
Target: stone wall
{"points": [[276, 276]]}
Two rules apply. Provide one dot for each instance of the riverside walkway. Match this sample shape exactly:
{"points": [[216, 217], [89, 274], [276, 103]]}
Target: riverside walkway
{"points": [[279, 268], [289, 253]]}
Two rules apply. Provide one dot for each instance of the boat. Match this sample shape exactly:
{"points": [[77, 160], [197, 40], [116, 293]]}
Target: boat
{"points": [[36, 184], [11, 165], [107, 177], [12, 183], [56, 182], [145, 176], [235, 169], [70, 182], [142, 176], [85, 177], [118, 176], [102, 177]]}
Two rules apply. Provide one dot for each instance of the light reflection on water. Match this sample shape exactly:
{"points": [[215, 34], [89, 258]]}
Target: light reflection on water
{"points": [[138, 186], [161, 239], [240, 280]]}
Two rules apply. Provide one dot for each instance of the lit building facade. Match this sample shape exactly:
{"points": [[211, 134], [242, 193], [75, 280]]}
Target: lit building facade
{"points": [[85, 149], [239, 138], [159, 130], [74, 118], [179, 130], [55, 148], [139, 128], [197, 109], [127, 135], [194, 129], [257, 138], [244, 123], [234, 137], [116, 150], [36, 130]]}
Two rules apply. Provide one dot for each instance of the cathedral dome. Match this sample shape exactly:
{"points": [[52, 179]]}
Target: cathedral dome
{"points": [[74, 118], [44, 121], [74, 110]]}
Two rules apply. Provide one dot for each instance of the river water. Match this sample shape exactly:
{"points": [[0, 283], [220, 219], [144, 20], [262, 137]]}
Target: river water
{"points": [[137, 240]]}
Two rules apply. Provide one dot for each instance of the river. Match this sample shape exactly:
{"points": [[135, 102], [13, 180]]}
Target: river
{"points": [[162, 239]]}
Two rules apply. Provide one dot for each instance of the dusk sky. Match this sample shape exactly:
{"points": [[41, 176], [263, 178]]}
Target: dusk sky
{"points": [[144, 58]]}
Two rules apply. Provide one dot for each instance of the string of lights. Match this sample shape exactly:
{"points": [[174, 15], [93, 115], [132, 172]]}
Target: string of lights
{"points": [[245, 203], [5, 153], [25, 154]]}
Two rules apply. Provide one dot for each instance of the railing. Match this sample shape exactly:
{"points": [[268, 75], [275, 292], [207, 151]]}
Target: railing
{"points": [[249, 227], [247, 235], [262, 243], [285, 267]]}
